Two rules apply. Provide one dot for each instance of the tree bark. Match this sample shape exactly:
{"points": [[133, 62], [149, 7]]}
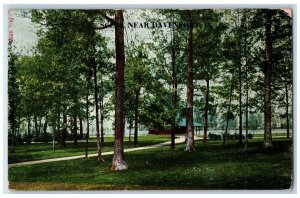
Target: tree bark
{"points": [[40, 125], [247, 106], [64, 132], [29, 131], [246, 112], [136, 116], [174, 91], [80, 128], [130, 127], [247, 86], [267, 81], [240, 106], [190, 91], [75, 131], [101, 120], [287, 111], [87, 126], [36, 127], [118, 162], [227, 116], [96, 102], [58, 131], [45, 125], [206, 112], [13, 139], [45, 129]]}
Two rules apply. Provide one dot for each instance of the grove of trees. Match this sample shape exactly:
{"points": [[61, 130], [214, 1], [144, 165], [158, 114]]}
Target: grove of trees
{"points": [[225, 68]]}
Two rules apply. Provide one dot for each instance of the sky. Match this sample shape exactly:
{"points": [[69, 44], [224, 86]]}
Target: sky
{"points": [[24, 32], [25, 38]]}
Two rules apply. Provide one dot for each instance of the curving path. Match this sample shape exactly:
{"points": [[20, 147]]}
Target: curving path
{"points": [[178, 140]]}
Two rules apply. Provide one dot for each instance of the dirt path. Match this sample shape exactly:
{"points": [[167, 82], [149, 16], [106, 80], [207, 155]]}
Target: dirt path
{"points": [[181, 139]]}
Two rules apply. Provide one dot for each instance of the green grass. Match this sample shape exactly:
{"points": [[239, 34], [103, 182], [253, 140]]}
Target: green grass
{"points": [[274, 135], [40, 151], [209, 167]]}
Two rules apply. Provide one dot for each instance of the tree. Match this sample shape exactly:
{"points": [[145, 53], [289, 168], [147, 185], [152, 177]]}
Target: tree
{"points": [[267, 70], [118, 162], [13, 96], [170, 51], [137, 79], [208, 55], [190, 89], [282, 58]]}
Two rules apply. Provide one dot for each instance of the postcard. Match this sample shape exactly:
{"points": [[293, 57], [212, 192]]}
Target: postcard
{"points": [[150, 99]]}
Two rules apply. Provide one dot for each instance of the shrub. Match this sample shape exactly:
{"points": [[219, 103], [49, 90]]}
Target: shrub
{"points": [[213, 136], [236, 136]]}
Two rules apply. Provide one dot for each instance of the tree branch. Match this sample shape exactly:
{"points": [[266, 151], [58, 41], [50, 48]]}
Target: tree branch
{"points": [[112, 21], [104, 27]]}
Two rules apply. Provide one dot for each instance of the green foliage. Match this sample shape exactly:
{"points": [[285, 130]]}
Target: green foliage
{"points": [[57, 78], [14, 96], [235, 136]]}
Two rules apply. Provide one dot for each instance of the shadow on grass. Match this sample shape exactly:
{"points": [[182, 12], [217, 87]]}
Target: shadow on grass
{"points": [[209, 167]]}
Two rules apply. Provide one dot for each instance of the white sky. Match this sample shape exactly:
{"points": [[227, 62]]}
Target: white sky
{"points": [[25, 38], [24, 32]]}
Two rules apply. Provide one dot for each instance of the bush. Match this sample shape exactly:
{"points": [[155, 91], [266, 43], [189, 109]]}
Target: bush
{"points": [[25, 138], [236, 136], [43, 137], [46, 137], [250, 136], [213, 136]]}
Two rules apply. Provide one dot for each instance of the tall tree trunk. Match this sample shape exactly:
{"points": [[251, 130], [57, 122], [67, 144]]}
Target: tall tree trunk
{"points": [[96, 102], [64, 131], [36, 127], [29, 131], [45, 125], [75, 131], [40, 125], [57, 131], [190, 91], [247, 85], [12, 93], [267, 81], [136, 116], [287, 111], [87, 126], [102, 120], [247, 106], [130, 127], [240, 106], [80, 128], [13, 132], [227, 116], [13, 140], [174, 91], [45, 128], [206, 111], [246, 112], [118, 162]]}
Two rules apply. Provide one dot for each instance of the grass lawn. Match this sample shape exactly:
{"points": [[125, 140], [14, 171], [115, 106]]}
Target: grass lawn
{"points": [[209, 167], [41, 151], [274, 135]]}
